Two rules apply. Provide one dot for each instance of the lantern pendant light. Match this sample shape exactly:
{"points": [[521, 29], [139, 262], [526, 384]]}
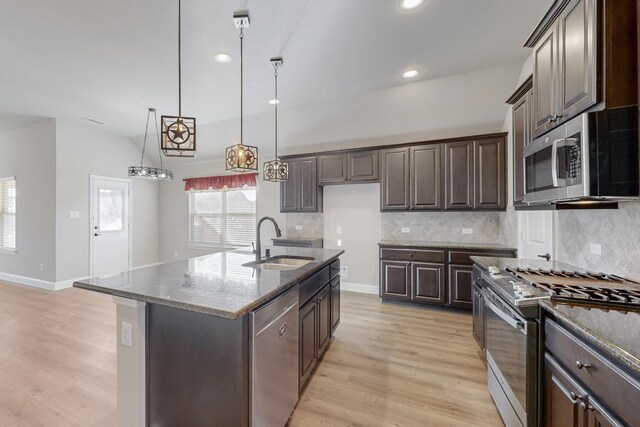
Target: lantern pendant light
{"points": [[146, 172], [178, 132], [239, 157], [276, 170]]}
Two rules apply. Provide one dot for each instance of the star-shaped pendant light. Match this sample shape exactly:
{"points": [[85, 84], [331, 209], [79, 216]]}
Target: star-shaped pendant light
{"points": [[240, 157], [276, 170], [178, 132]]}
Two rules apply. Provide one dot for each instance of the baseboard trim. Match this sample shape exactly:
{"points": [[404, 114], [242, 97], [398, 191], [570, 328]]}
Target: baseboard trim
{"points": [[65, 284], [28, 281], [359, 287]]}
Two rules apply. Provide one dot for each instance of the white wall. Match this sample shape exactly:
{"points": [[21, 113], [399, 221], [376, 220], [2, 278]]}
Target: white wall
{"points": [[356, 209], [174, 203], [29, 154], [84, 150]]}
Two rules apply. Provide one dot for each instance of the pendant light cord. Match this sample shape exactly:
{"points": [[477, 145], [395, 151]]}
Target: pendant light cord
{"points": [[179, 59], [241, 83], [146, 132], [277, 101], [144, 143], [155, 115]]}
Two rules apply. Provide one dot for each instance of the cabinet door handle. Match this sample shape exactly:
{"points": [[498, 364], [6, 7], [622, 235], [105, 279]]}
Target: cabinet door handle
{"points": [[283, 329], [581, 365]]}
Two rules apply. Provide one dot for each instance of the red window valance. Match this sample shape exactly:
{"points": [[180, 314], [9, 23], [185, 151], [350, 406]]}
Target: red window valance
{"points": [[220, 182]]}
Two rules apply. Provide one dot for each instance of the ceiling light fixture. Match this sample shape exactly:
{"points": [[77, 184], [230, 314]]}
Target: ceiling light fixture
{"points": [[411, 4], [241, 158], [223, 58], [276, 170], [145, 172], [178, 132], [410, 74], [274, 101]]}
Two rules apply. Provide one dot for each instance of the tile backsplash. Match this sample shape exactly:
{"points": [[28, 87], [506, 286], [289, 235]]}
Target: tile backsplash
{"points": [[442, 226], [617, 231], [312, 225]]}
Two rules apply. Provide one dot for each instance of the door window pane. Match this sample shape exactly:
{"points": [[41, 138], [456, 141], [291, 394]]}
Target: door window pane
{"points": [[111, 212]]}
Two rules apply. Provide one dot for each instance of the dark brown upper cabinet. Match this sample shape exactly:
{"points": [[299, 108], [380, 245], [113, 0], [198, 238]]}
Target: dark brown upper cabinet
{"points": [[581, 52], [341, 168], [395, 179], [474, 174], [521, 132], [301, 192], [426, 177], [458, 170]]}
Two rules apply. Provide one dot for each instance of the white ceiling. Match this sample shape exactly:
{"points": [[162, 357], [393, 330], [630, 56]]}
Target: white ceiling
{"points": [[110, 60]]}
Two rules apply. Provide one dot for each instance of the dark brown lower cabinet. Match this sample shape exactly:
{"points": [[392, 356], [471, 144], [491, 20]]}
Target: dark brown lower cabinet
{"points": [[315, 331], [395, 280], [460, 286], [335, 303], [567, 404], [428, 282], [308, 340], [478, 315]]}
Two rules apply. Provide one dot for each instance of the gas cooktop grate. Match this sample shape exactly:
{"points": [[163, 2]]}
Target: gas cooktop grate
{"points": [[567, 274], [591, 293]]}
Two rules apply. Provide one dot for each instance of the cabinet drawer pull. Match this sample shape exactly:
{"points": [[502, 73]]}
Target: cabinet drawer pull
{"points": [[581, 365], [577, 397]]}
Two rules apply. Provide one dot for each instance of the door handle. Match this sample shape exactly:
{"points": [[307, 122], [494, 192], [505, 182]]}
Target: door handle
{"points": [[283, 329], [546, 256], [97, 234]]}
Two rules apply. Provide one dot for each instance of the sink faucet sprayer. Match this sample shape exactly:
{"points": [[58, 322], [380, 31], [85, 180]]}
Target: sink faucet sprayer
{"points": [[258, 248]]}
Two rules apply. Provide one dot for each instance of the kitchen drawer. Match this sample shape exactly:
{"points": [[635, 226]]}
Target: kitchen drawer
{"points": [[335, 268], [309, 287], [614, 387], [464, 257], [412, 255]]}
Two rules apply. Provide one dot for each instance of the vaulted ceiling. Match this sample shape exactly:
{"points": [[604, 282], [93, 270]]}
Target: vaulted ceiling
{"points": [[110, 60]]}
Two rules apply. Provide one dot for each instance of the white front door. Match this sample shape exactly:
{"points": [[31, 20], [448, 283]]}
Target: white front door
{"points": [[536, 234], [110, 232]]}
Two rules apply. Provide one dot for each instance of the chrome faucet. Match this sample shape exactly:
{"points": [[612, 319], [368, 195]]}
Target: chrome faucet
{"points": [[258, 249]]}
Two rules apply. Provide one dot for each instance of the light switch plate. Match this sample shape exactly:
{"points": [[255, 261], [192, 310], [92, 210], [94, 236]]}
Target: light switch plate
{"points": [[74, 214], [596, 248], [339, 230], [298, 227], [405, 230], [467, 231]]}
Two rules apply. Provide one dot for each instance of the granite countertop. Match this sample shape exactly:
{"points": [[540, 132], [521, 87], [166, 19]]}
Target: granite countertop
{"points": [[613, 330], [502, 263], [215, 284], [445, 245]]}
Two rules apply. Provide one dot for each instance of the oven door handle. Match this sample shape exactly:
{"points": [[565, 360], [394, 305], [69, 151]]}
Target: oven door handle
{"points": [[514, 323]]}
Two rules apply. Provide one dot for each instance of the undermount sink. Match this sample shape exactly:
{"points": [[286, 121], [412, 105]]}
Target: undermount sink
{"points": [[280, 262]]}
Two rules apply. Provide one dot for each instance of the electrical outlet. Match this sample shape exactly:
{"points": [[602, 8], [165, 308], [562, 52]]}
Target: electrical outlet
{"points": [[175, 254], [126, 334], [339, 242], [344, 272], [339, 230], [298, 228], [467, 231], [596, 248], [405, 230], [41, 267], [74, 214]]}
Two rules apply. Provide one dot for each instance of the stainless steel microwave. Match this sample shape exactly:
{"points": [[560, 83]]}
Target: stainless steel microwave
{"points": [[593, 156]]}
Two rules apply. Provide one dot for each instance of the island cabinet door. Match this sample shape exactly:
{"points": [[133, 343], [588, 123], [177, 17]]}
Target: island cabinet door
{"points": [[460, 278], [563, 397], [308, 340], [395, 280], [324, 319], [335, 304]]}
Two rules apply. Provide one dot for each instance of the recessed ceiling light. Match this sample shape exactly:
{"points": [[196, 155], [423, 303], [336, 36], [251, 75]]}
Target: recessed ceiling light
{"points": [[410, 4], [410, 74], [274, 101], [223, 58]]}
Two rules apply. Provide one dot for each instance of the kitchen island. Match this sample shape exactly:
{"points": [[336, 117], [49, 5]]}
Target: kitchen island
{"points": [[190, 346]]}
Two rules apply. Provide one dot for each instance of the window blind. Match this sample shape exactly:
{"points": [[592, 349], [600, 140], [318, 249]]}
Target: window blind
{"points": [[226, 217], [7, 213]]}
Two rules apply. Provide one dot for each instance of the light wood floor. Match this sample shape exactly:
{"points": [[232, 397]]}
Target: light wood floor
{"points": [[388, 365]]}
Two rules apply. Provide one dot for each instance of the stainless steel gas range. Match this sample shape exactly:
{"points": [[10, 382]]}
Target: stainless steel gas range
{"points": [[511, 290]]}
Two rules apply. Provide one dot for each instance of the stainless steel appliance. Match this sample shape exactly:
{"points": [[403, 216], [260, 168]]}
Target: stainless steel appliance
{"points": [[511, 296], [593, 157], [274, 361]]}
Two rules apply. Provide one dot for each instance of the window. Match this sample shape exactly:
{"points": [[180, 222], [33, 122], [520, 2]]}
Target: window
{"points": [[223, 218], [8, 214]]}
